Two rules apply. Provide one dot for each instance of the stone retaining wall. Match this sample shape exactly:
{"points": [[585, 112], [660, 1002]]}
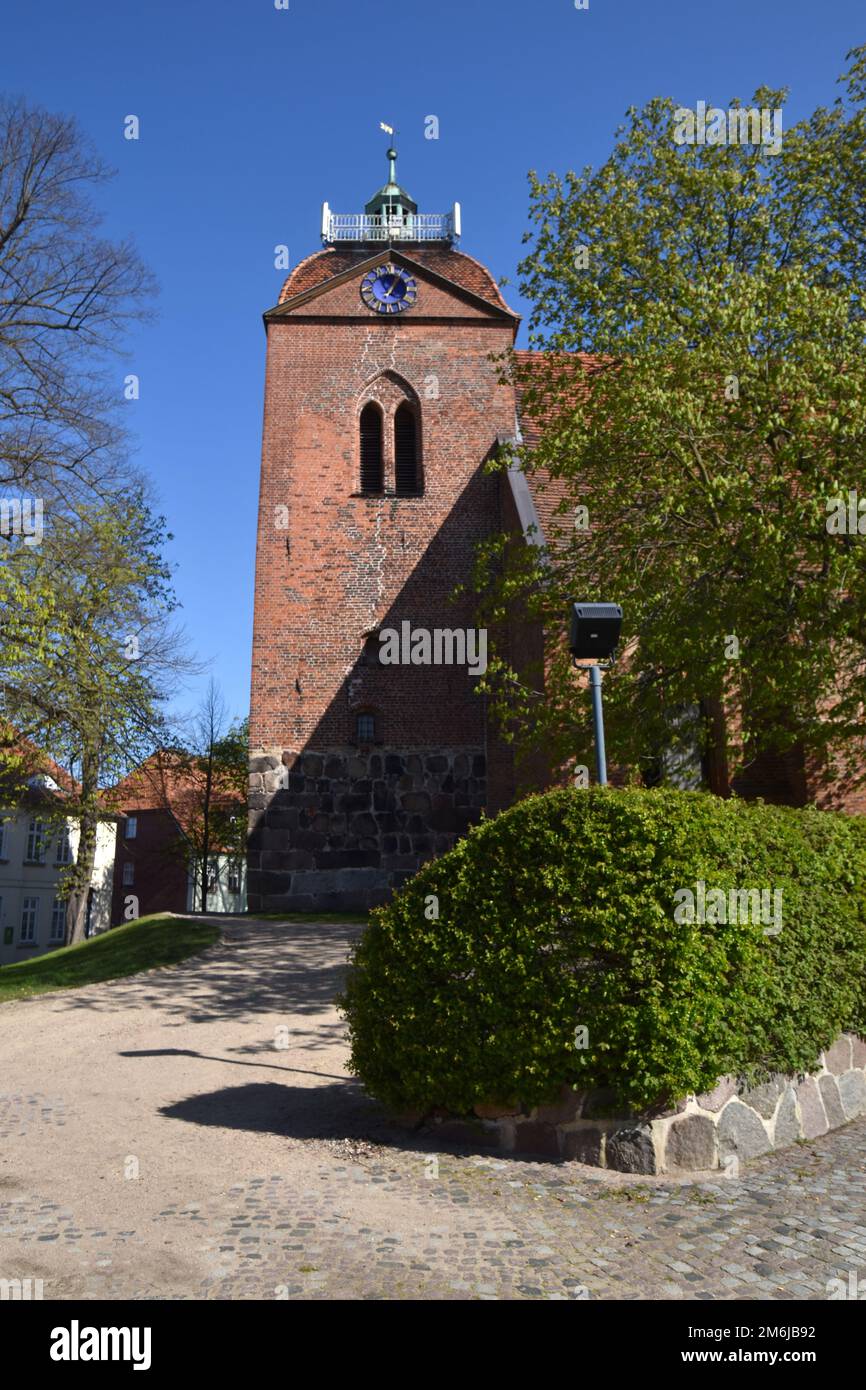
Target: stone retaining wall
{"points": [[714, 1130]]}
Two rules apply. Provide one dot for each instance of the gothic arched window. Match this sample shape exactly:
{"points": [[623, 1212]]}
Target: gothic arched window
{"points": [[406, 463], [372, 468]]}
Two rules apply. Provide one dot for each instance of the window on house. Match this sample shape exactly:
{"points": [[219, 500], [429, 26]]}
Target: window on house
{"points": [[365, 728], [58, 919], [234, 879], [36, 842], [131, 828], [64, 847], [372, 469], [128, 874], [406, 477], [29, 915]]}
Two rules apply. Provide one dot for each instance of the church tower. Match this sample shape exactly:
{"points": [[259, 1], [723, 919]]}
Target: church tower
{"points": [[382, 405]]}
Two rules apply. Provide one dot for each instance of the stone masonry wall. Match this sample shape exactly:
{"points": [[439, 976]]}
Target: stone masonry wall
{"points": [[732, 1122], [340, 830]]}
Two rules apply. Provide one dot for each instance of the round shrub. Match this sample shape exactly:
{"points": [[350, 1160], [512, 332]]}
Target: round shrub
{"points": [[562, 913]]}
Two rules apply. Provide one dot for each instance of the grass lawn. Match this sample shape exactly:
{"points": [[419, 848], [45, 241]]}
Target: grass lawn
{"points": [[139, 945]]}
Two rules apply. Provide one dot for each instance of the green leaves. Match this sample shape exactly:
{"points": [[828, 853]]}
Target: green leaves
{"points": [[723, 409], [561, 912]]}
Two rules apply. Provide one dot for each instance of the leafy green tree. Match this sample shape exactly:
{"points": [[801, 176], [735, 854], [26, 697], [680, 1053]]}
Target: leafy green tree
{"points": [[710, 434], [85, 675]]}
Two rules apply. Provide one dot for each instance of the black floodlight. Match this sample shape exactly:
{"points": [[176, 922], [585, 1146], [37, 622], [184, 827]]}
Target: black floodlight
{"points": [[594, 630]]}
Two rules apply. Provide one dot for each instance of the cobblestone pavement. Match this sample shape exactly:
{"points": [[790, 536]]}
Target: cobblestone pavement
{"points": [[133, 1165]]}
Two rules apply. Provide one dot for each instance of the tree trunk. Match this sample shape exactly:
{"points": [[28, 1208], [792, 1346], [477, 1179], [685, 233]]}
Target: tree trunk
{"points": [[82, 874], [205, 854]]}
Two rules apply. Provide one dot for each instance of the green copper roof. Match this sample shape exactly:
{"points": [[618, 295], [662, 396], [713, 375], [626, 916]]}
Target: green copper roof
{"points": [[392, 195]]}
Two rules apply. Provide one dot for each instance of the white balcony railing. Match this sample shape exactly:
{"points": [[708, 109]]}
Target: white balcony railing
{"points": [[360, 226]]}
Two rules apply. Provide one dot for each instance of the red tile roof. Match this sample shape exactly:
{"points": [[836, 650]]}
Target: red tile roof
{"points": [[443, 260], [33, 762], [533, 371], [164, 783]]}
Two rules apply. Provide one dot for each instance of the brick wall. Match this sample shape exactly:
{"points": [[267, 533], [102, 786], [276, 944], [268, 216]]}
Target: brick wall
{"points": [[334, 566], [159, 869]]}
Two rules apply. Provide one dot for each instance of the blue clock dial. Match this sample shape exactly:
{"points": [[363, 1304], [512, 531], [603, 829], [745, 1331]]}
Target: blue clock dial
{"points": [[389, 289]]}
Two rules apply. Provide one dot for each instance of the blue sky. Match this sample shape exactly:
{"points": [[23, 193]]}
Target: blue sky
{"points": [[251, 117]]}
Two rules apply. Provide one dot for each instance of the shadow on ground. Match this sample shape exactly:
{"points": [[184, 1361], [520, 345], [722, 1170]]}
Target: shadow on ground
{"points": [[257, 968], [340, 1111]]}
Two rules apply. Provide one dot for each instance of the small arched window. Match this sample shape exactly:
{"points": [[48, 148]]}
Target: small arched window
{"points": [[365, 727], [372, 471], [406, 472]]}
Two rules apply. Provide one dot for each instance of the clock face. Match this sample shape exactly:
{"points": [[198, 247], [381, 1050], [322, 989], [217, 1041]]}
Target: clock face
{"points": [[388, 289]]}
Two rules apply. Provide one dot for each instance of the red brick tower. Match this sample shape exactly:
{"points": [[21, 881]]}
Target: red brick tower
{"points": [[382, 404]]}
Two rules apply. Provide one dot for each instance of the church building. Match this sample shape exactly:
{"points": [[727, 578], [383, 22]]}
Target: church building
{"points": [[383, 402], [371, 746]]}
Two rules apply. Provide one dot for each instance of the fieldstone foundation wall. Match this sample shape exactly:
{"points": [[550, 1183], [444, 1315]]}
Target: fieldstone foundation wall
{"points": [[731, 1122], [339, 830]]}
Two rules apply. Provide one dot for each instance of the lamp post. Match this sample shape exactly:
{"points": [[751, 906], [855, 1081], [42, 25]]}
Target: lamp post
{"points": [[594, 630]]}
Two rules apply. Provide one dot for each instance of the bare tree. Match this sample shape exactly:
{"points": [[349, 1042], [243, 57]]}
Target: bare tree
{"points": [[66, 297], [215, 766]]}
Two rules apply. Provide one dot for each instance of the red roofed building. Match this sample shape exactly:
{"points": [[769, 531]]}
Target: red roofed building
{"points": [[160, 808]]}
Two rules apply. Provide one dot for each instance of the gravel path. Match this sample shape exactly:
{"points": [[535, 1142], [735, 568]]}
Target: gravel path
{"points": [[192, 1133]]}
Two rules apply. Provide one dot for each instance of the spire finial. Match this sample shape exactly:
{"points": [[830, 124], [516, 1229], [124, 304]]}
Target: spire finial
{"points": [[391, 202], [391, 153]]}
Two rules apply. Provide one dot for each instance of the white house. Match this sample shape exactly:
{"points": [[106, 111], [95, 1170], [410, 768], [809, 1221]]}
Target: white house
{"points": [[226, 885], [37, 843]]}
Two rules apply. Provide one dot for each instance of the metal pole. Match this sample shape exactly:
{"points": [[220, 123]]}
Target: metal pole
{"points": [[598, 723]]}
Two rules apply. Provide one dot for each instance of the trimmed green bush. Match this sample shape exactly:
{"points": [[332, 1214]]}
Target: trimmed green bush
{"points": [[561, 912]]}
